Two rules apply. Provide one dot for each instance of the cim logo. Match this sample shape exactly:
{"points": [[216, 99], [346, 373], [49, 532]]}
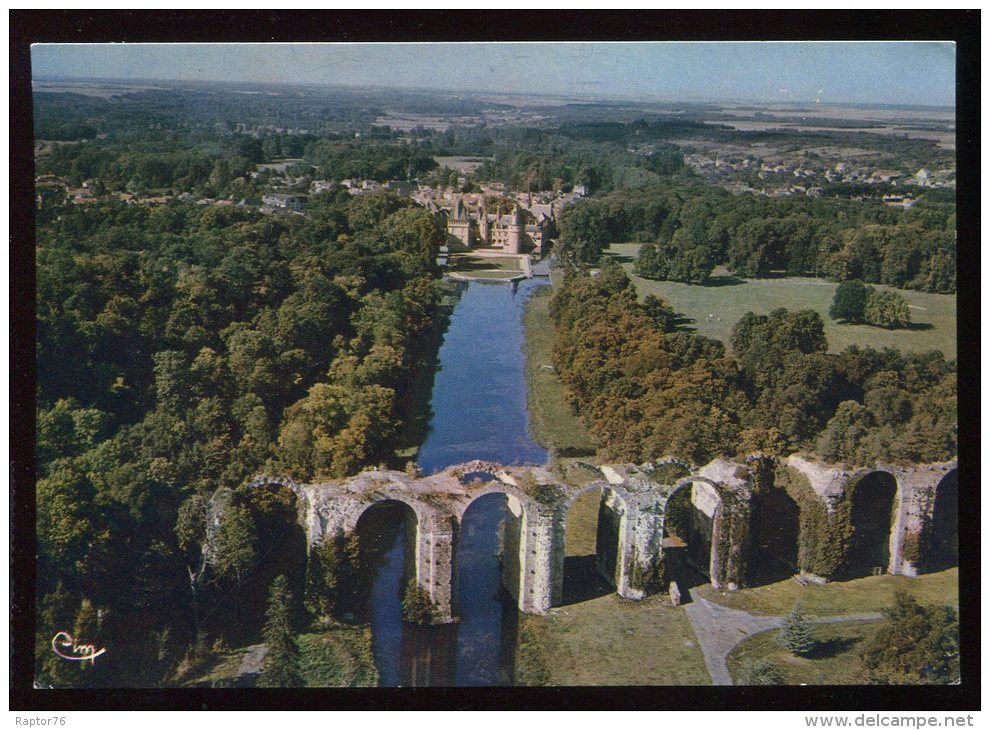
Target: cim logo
{"points": [[68, 648]]}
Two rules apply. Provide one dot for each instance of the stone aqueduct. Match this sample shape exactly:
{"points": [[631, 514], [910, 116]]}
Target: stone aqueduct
{"points": [[633, 506]]}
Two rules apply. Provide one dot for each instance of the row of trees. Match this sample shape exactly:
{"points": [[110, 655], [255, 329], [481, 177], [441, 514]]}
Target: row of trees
{"points": [[183, 349], [226, 168], [690, 228], [647, 390]]}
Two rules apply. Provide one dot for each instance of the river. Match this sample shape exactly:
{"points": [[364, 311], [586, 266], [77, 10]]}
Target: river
{"points": [[478, 411]]}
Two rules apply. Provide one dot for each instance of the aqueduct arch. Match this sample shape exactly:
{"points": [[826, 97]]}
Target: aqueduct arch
{"points": [[872, 502], [689, 532], [386, 525], [940, 543], [776, 536], [915, 504], [610, 542]]}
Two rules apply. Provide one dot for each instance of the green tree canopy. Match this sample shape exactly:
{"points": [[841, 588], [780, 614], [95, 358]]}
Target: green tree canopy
{"points": [[915, 645], [849, 301], [886, 309]]}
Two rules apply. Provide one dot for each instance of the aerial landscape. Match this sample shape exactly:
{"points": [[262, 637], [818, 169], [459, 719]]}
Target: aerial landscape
{"points": [[518, 367]]}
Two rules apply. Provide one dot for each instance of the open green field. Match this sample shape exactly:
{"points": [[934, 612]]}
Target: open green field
{"points": [[933, 315], [862, 595], [554, 425], [609, 641], [835, 661]]}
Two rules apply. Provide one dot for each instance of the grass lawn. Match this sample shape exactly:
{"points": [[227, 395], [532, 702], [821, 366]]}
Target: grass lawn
{"points": [[554, 425], [581, 528], [497, 275], [934, 315], [855, 596], [609, 641], [836, 661], [476, 265]]}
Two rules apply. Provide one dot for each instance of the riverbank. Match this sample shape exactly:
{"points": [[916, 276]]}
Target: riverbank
{"points": [[414, 403], [552, 422]]}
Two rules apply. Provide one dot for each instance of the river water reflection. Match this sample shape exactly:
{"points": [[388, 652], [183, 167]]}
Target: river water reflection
{"points": [[478, 412]]}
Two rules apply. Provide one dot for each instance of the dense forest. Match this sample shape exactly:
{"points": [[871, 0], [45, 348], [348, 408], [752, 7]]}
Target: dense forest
{"points": [[647, 390], [181, 350]]}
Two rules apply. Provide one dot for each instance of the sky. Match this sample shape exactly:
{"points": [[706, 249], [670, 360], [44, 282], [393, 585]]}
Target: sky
{"points": [[856, 72]]}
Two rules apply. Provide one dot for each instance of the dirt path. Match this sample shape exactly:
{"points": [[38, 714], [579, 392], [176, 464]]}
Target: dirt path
{"points": [[253, 660], [720, 629]]}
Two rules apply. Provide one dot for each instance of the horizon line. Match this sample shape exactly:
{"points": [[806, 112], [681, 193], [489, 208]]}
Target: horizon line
{"points": [[475, 92]]}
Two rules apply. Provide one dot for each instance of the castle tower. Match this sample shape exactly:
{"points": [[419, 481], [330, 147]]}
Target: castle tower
{"points": [[483, 231], [459, 227], [514, 242]]}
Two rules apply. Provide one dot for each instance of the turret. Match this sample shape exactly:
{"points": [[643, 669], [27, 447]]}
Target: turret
{"points": [[514, 243], [459, 226]]}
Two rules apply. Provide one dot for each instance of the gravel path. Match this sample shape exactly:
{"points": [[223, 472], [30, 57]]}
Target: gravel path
{"points": [[720, 629]]}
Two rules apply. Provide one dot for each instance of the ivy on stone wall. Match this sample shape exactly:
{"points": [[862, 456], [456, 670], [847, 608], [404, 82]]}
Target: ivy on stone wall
{"points": [[823, 539], [732, 527], [417, 606], [911, 547], [650, 579], [669, 472]]}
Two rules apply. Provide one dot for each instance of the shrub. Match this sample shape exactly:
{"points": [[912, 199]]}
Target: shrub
{"points": [[760, 672], [915, 645], [651, 263], [854, 301], [417, 606]]}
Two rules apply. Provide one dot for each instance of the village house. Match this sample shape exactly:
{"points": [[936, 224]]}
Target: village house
{"points": [[289, 202]]}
